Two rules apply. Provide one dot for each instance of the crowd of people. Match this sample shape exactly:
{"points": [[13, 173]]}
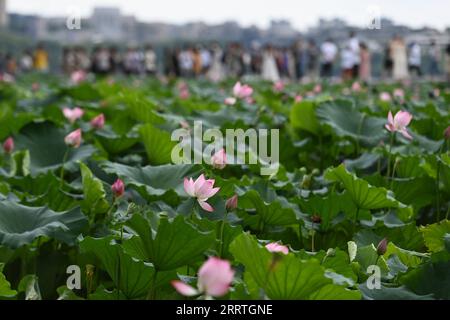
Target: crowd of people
{"points": [[29, 60], [304, 60]]}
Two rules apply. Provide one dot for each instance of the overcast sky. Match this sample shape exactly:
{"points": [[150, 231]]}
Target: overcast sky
{"points": [[302, 13]]}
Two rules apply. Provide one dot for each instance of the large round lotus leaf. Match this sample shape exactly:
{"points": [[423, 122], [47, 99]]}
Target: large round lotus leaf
{"points": [[45, 143], [20, 225]]}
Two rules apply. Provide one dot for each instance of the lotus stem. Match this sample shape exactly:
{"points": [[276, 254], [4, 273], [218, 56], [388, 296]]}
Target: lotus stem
{"points": [[389, 156], [152, 291], [62, 168], [393, 174], [438, 171], [222, 226]]}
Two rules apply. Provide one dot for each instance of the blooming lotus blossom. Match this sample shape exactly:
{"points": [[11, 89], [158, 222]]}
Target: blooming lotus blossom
{"points": [[385, 96], [231, 204], [35, 86], [356, 87], [73, 114], [230, 101], [78, 76], [399, 123], [399, 93], [278, 86], [214, 279], [73, 139], [118, 188], [8, 145], [276, 247], [98, 122], [201, 189], [298, 98], [317, 88], [219, 159], [242, 91]]}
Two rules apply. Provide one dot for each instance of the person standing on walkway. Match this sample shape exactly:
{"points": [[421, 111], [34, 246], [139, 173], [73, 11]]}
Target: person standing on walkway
{"points": [[399, 59], [328, 51], [40, 61], [415, 60], [365, 67]]}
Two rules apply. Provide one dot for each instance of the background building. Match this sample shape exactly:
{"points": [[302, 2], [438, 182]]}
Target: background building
{"points": [[3, 14]]}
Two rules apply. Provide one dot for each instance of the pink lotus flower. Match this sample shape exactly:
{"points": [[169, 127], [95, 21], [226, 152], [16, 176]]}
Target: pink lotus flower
{"points": [[184, 94], [249, 100], [219, 159], [7, 78], [35, 86], [399, 123], [317, 88], [242, 91], [201, 189], [231, 204], [214, 279], [276, 247], [385, 96], [73, 114], [98, 122], [78, 76], [436, 92], [298, 98], [8, 145], [356, 87], [230, 101], [399, 93], [118, 188], [278, 86], [73, 139]]}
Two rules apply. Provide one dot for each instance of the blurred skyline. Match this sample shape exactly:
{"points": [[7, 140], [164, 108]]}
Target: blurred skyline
{"points": [[302, 14]]}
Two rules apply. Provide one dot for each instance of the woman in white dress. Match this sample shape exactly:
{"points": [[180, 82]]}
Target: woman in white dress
{"points": [[269, 65], [399, 58], [216, 71]]}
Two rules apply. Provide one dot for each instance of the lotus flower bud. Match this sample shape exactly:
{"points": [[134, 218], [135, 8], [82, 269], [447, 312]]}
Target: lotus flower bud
{"points": [[8, 145], [98, 122], [382, 246], [231, 204], [316, 218], [118, 188], [73, 139], [447, 133]]}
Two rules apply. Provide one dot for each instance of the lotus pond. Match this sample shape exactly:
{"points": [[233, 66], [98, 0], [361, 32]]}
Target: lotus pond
{"points": [[93, 207]]}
